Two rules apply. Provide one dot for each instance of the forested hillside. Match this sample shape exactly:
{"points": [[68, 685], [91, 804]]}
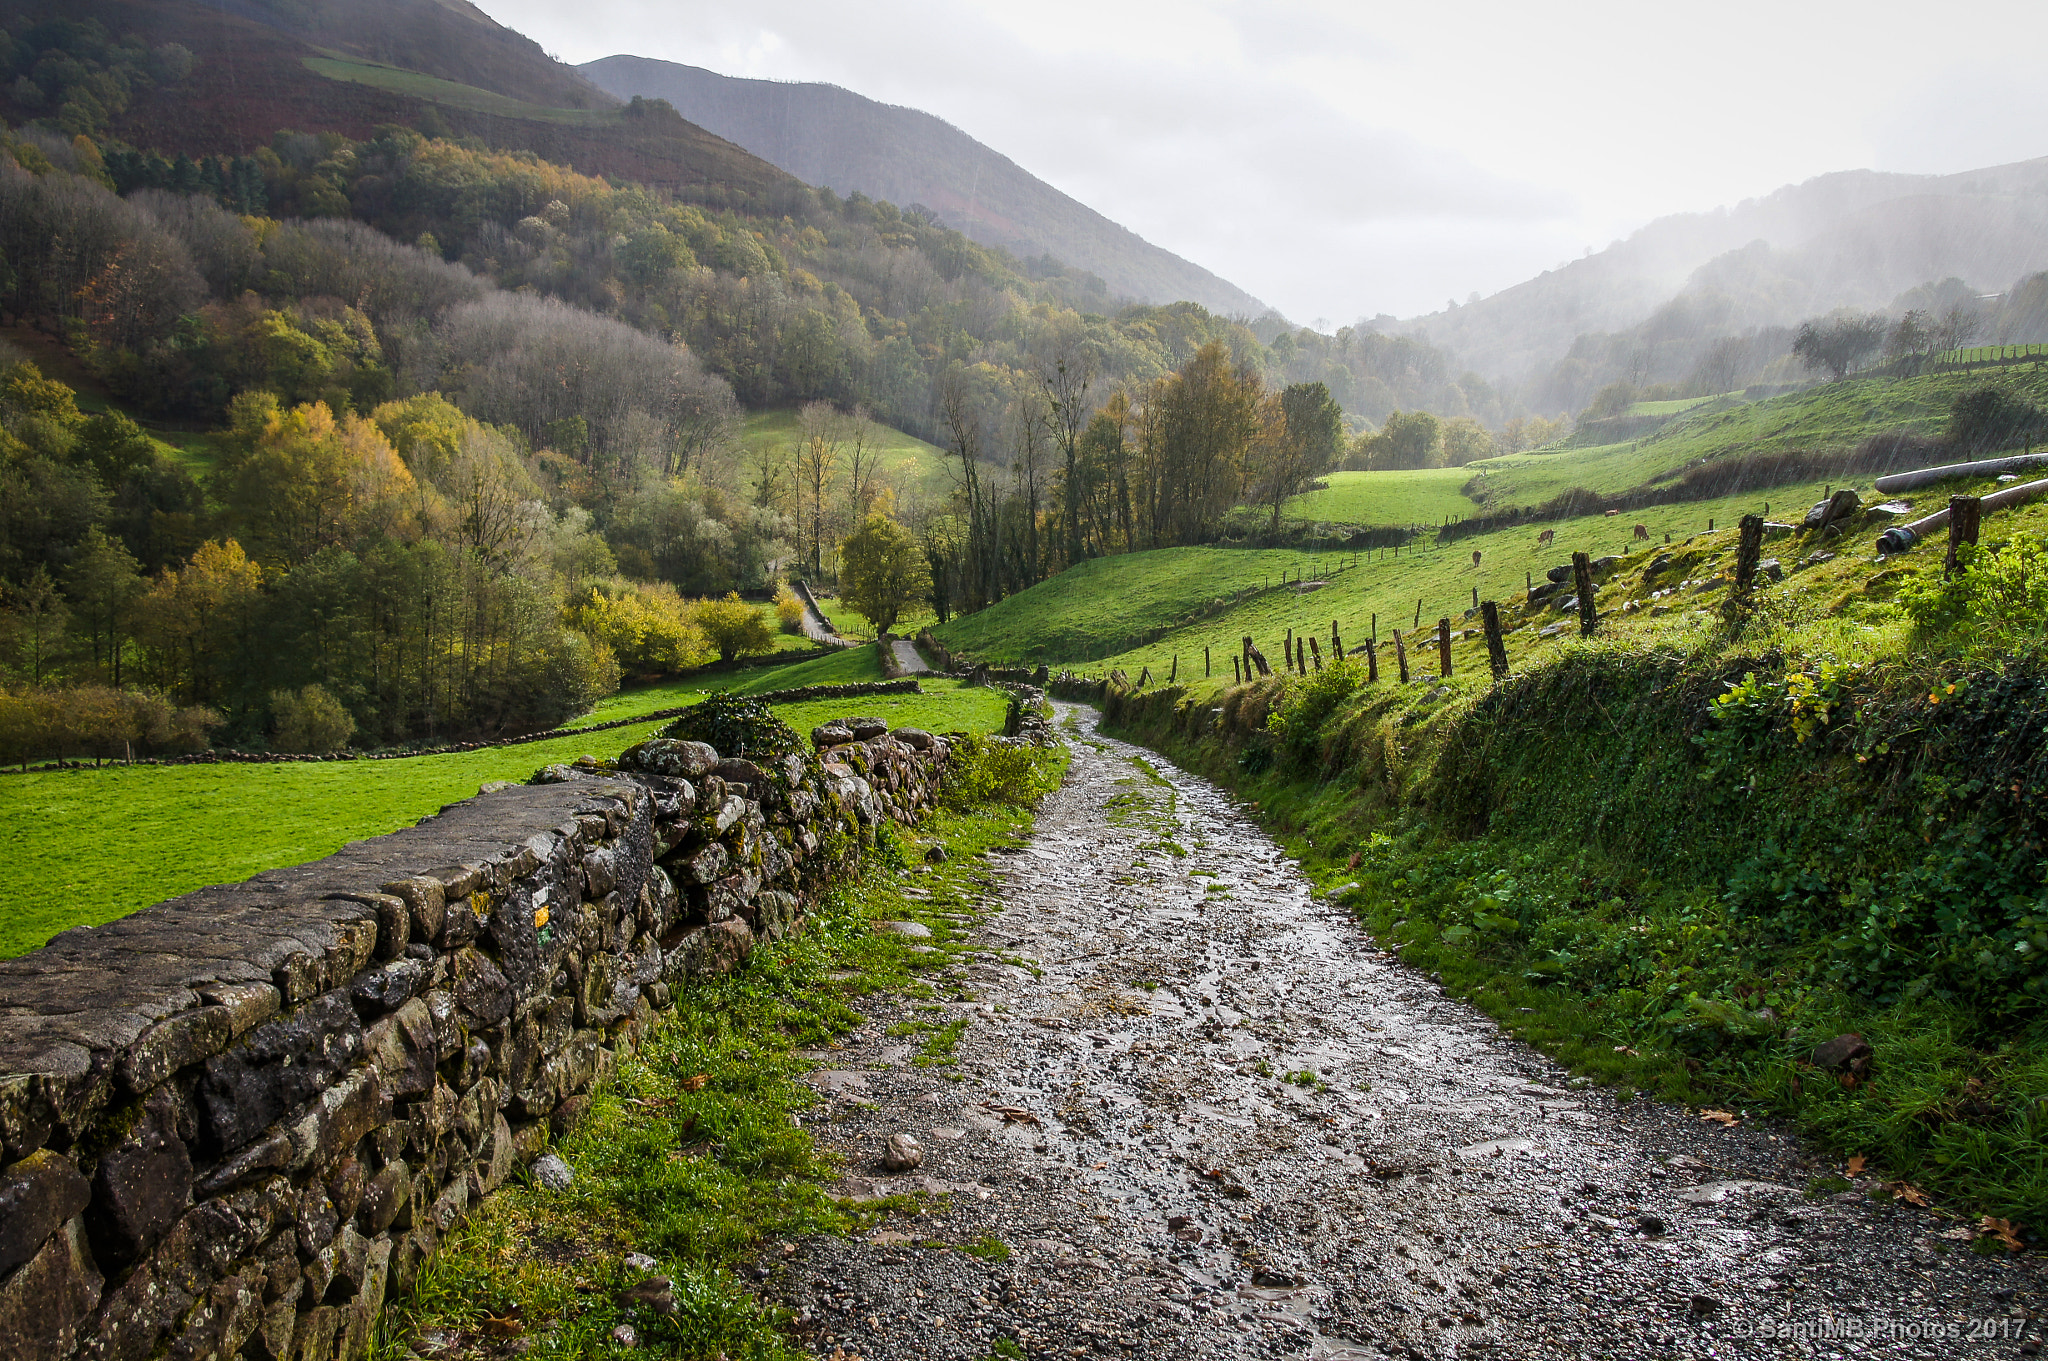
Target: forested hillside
{"points": [[840, 140]]}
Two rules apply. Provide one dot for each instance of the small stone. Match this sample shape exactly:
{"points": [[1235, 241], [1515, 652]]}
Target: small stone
{"points": [[912, 930], [1651, 1225], [936, 855], [1703, 1306], [552, 1173], [640, 1261], [901, 1153], [625, 1336]]}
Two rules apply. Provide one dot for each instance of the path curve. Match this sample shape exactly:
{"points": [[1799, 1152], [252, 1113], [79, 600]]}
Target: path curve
{"points": [[1136, 1128], [817, 627]]}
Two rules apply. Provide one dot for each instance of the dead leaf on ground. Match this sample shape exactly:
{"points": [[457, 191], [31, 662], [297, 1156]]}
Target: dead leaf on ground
{"points": [[1912, 1195], [1857, 1164], [2004, 1230], [1010, 1113], [696, 1083], [1725, 1119], [507, 1324]]}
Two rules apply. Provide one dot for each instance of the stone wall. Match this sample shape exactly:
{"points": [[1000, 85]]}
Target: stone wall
{"points": [[234, 1121]]}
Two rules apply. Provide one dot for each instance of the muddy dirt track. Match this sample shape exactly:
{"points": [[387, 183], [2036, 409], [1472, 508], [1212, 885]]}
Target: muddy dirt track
{"points": [[1205, 1116]]}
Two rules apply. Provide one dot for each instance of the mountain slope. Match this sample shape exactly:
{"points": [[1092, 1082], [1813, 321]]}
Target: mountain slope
{"points": [[1852, 239], [263, 66], [833, 137]]}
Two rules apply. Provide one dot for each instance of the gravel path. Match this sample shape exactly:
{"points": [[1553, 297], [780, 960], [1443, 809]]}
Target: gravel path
{"points": [[1134, 1125], [907, 658]]}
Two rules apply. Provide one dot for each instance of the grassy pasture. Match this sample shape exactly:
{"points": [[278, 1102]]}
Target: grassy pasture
{"points": [[1408, 496], [913, 468], [449, 92], [1099, 616], [88, 846], [1834, 416]]}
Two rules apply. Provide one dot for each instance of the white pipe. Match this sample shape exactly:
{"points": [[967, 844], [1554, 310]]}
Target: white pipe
{"points": [[1990, 467], [1899, 538]]}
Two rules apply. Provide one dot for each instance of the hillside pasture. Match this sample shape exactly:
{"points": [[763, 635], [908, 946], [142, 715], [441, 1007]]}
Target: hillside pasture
{"points": [[1407, 496], [400, 81], [1833, 416], [1111, 613], [913, 468]]}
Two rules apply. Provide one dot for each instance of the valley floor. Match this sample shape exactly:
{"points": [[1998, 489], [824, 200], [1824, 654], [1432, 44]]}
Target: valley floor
{"points": [[1196, 1112]]}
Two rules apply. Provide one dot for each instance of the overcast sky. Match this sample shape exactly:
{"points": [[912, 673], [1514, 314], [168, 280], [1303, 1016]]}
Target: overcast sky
{"points": [[1342, 160]]}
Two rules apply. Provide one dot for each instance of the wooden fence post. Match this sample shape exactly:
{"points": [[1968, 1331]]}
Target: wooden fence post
{"points": [[1315, 654], [1582, 578], [1372, 662], [1964, 515], [1205, 661], [1375, 630], [1401, 655], [1475, 597], [1174, 675], [1418, 616], [1443, 647], [1748, 548], [1336, 642], [1496, 646]]}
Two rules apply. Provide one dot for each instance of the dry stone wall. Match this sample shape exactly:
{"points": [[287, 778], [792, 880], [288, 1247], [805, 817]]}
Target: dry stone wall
{"points": [[233, 1122]]}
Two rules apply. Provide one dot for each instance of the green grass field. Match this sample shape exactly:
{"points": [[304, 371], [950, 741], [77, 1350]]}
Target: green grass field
{"points": [[88, 846], [1672, 407], [1414, 496], [1834, 416], [449, 92], [914, 469], [1102, 613]]}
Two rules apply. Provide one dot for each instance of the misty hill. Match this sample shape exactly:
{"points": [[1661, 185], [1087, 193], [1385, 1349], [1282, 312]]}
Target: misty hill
{"points": [[347, 66], [828, 136], [1854, 239]]}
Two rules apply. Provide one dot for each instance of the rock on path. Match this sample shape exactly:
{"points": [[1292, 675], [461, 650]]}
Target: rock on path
{"points": [[1139, 1132]]}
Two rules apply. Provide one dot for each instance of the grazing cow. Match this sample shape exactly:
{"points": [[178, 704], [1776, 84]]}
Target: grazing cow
{"points": [[1643, 533], [1475, 557], [1545, 537]]}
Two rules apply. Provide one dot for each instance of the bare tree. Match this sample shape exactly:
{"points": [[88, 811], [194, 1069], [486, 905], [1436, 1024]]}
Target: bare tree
{"points": [[819, 444]]}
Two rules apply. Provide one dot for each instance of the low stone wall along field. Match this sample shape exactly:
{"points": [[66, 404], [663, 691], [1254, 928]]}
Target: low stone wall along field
{"points": [[234, 1121]]}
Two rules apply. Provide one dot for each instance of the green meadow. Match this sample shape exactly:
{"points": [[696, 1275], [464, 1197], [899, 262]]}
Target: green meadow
{"points": [[1414, 496], [88, 846], [914, 469]]}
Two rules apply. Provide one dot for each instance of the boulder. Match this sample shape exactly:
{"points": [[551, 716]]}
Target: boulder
{"points": [[670, 756], [832, 734], [1559, 575], [917, 739], [865, 727], [1850, 1052]]}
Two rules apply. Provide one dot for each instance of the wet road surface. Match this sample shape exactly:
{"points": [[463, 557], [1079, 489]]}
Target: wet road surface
{"points": [[1198, 1113]]}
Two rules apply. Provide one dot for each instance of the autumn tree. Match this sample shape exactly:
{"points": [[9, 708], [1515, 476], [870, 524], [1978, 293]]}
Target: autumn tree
{"points": [[1305, 430], [734, 628], [882, 568]]}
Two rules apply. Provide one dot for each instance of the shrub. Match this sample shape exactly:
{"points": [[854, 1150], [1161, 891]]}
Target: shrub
{"points": [[988, 770], [96, 720], [734, 627], [738, 725], [309, 720], [788, 609]]}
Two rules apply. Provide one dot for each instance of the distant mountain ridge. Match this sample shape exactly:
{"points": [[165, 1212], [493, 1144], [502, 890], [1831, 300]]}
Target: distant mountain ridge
{"points": [[829, 136], [1855, 238], [351, 66]]}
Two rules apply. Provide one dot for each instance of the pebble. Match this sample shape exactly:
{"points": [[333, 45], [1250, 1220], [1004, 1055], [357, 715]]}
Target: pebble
{"points": [[552, 1173]]}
